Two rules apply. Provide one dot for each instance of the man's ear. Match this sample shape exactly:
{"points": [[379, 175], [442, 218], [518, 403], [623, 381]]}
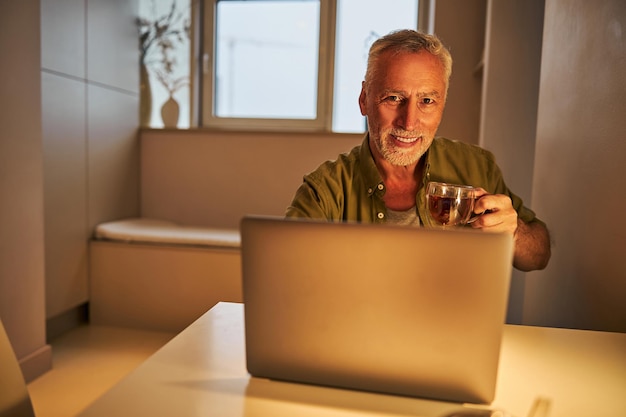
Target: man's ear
{"points": [[363, 99]]}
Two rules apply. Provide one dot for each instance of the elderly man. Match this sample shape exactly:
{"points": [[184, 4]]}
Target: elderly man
{"points": [[384, 179]]}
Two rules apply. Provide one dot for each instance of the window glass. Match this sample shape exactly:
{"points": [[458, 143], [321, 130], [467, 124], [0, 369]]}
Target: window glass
{"points": [[266, 63], [164, 41], [266, 59], [359, 23]]}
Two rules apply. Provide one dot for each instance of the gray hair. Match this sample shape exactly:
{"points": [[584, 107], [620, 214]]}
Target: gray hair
{"points": [[410, 41]]}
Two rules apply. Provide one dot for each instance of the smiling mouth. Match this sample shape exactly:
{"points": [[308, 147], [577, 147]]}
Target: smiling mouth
{"points": [[405, 139]]}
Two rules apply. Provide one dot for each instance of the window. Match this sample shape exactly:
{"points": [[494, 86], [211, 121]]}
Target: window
{"points": [[268, 63], [164, 29], [359, 23], [268, 70], [284, 64]]}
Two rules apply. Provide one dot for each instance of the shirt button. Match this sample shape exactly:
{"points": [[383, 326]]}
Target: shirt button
{"points": [[381, 215], [380, 186], [370, 191]]}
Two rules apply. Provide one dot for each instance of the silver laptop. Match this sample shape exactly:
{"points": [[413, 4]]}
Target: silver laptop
{"points": [[409, 311]]}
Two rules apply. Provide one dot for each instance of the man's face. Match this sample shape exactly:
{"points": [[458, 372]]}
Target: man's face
{"points": [[404, 104]]}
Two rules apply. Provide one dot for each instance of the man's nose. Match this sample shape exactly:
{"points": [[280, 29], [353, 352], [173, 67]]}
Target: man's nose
{"points": [[409, 116]]}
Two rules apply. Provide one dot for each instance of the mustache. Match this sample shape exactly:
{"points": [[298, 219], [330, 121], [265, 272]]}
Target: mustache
{"points": [[405, 133]]}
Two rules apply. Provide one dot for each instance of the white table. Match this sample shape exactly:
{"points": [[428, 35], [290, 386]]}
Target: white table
{"points": [[201, 372]]}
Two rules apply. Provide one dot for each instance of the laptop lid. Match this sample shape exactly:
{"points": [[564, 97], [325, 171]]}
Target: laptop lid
{"points": [[398, 310]]}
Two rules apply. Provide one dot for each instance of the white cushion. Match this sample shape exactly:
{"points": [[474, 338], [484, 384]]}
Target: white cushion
{"points": [[143, 230]]}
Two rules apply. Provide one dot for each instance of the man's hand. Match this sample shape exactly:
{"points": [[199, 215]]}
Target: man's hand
{"points": [[532, 241], [496, 213]]}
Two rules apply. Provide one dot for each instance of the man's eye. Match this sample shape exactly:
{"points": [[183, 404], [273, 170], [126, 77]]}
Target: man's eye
{"points": [[427, 100], [393, 99]]}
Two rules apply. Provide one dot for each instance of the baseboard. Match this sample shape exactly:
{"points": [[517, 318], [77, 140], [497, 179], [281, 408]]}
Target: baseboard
{"points": [[64, 322], [36, 363]]}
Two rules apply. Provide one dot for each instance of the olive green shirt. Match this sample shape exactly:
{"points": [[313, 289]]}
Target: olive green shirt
{"points": [[350, 188]]}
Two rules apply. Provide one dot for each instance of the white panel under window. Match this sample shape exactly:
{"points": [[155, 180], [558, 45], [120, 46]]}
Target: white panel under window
{"points": [[266, 59], [359, 23]]}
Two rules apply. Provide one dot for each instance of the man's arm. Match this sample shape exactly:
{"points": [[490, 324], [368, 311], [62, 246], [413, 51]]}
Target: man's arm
{"points": [[532, 240], [532, 246], [306, 204]]}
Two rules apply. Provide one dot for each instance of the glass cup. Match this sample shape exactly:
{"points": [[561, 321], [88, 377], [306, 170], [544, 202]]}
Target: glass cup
{"points": [[450, 205]]}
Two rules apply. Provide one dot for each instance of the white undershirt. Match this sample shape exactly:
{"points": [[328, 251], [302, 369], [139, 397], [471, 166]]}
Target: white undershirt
{"points": [[404, 218]]}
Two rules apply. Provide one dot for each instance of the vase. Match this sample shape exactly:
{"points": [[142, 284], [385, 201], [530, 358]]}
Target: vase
{"points": [[145, 97], [170, 112]]}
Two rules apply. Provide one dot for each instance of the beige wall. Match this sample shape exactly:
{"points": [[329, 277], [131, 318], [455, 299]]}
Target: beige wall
{"points": [[510, 95], [461, 26], [89, 76], [21, 187], [69, 155], [553, 106], [512, 69], [214, 178], [579, 177]]}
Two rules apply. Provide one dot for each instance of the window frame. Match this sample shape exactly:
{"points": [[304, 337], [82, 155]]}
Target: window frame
{"points": [[205, 100]]}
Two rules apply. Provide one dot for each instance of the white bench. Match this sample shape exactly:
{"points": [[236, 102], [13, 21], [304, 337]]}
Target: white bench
{"points": [[158, 275]]}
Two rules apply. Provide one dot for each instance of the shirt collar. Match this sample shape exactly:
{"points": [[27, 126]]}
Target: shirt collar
{"points": [[370, 172], [371, 177]]}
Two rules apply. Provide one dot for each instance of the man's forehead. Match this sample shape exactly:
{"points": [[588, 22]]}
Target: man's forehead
{"points": [[418, 93]]}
